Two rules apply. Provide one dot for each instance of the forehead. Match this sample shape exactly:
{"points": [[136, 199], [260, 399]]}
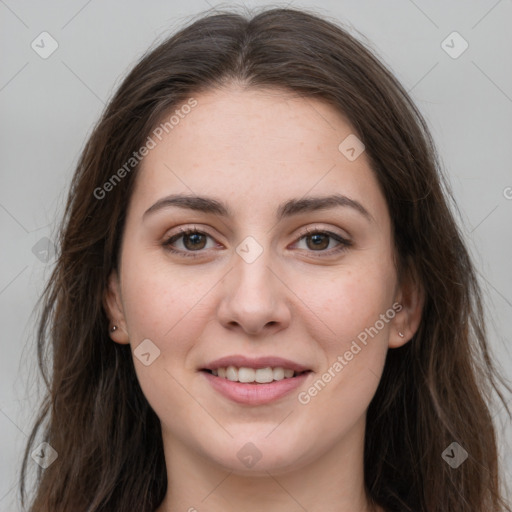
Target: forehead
{"points": [[261, 123], [254, 148]]}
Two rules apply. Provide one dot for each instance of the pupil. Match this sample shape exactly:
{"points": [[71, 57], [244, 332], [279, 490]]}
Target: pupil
{"points": [[315, 237], [195, 237]]}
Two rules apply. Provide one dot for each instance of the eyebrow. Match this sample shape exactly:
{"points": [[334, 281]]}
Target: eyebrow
{"points": [[286, 209]]}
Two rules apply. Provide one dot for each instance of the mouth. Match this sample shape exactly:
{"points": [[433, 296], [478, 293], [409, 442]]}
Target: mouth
{"points": [[248, 375], [254, 381]]}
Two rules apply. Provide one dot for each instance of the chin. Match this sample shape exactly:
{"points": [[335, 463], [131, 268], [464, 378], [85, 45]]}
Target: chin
{"points": [[257, 457]]}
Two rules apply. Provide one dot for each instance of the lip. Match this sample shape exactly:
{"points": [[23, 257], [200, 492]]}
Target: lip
{"points": [[254, 394], [258, 362]]}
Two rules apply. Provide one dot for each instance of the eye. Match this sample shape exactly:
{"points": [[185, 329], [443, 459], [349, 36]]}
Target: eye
{"points": [[193, 241], [320, 240]]}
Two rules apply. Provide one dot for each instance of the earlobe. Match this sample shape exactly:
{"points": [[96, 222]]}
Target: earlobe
{"points": [[411, 297], [113, 308]]}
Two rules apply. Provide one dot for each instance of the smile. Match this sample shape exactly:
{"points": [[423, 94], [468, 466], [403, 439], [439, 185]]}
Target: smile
{"points": [[252, 375]]}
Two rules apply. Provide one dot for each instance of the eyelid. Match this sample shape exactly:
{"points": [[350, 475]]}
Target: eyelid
{"points": [[323, 229]]}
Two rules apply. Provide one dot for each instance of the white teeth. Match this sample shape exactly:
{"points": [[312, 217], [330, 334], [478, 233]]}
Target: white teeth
{"points": [[249, 375], [231, 373], [278, 373], [246, 374], [264, 375]]}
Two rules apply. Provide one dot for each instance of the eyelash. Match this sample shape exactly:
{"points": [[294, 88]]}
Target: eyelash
{"points": [[344, 244]]}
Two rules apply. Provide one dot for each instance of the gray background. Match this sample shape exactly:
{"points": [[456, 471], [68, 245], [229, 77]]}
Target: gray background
{"points": [[49, 106]]}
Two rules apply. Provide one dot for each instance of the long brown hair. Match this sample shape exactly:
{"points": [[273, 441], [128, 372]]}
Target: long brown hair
{"points": [[435, 390]]}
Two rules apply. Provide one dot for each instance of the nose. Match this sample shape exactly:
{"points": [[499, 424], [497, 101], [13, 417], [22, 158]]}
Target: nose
{"points": [[255, 299]]}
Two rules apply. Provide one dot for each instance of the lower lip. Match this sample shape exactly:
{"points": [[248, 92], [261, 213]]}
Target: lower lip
{"points": [[255, 394]]}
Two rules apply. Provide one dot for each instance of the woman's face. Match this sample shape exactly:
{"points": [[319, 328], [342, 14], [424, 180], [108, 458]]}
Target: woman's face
{"points": [[271, 281]]}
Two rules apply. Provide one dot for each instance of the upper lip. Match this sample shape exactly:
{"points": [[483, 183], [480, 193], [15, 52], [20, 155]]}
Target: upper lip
{"points": [[258, 362]]}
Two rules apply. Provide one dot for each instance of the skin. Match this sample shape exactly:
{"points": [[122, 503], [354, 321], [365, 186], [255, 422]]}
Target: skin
{"points": [[254, 149]]}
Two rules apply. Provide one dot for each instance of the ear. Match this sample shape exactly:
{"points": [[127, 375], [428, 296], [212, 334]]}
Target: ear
{"points": [[411, 296], [113, 307]]}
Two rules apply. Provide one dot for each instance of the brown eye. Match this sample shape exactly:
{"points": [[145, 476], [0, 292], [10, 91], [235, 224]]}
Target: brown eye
{"points": [[195, 241], [192, 241], [319, 241]]}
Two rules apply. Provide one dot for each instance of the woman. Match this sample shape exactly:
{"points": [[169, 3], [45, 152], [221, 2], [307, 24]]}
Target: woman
{"points": [[262, 300]]}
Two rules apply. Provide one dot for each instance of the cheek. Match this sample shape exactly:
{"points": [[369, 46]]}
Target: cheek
{"points": [[348, 301], [166, 309], [163, 306], [354, 339]]}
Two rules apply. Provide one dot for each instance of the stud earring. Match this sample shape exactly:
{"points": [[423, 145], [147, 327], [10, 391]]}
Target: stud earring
{"points": [[114, 328], [401, 334]]}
